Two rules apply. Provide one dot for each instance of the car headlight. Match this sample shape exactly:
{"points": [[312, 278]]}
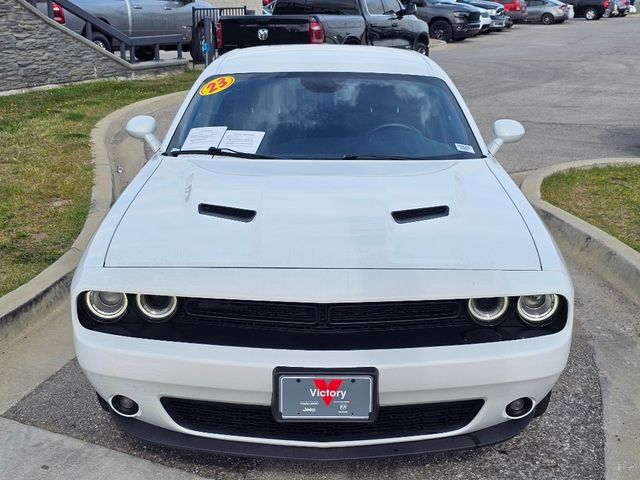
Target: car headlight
{"points": [[537, 310], [106, 307], [460, 14], [492, 12], [156, 308], [488, 311]]}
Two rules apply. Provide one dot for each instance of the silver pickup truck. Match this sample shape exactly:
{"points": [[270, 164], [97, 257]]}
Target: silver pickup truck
{"points": [[135, 18]]}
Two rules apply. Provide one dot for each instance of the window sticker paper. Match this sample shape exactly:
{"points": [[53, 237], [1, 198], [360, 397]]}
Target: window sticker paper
{"points": [[203, 138], [464, 148], [244, 141]]}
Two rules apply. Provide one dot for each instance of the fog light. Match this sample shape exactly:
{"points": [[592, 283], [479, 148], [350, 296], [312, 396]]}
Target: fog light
{"points": [[519, 408], [124, 405]]}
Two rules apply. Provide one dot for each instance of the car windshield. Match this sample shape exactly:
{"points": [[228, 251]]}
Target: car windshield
{"points": [[326, 115]]}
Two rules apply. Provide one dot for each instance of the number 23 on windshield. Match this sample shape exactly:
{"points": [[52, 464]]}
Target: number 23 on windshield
{"points": [[216, 85]]}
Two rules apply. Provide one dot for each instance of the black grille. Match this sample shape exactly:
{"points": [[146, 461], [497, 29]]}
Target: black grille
{"points": [[355, 316], [257, 421], [314, 326], [474, 17]]}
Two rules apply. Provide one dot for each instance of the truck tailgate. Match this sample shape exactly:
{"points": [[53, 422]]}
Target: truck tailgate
{"points": [[251, 31]]}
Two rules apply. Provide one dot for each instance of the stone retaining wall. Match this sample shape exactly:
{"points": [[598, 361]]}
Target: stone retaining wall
{"points": [[36, 51]]}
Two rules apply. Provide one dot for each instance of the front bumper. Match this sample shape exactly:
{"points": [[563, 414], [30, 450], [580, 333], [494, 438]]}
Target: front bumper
{"points": [[487, 436], [498, 23], [465, 30], [497, 373]]}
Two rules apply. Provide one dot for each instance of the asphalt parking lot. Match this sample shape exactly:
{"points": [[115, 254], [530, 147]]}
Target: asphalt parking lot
{"points": [[573, 87]]}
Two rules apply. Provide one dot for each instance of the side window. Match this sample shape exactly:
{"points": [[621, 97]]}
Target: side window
{"points": [[391, 6], [375, 7], [284, 7], [332, 7]]}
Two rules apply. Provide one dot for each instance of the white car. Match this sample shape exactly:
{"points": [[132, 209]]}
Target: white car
{"points": [[323, 260]]}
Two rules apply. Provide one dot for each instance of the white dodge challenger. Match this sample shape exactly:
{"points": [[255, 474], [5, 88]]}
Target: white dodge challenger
{"points": [[323, 260]]}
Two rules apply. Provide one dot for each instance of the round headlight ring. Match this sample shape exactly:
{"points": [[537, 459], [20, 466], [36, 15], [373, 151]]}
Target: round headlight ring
{"points": [[106, 307], [538, 310], [156, 308], [488, 311]]}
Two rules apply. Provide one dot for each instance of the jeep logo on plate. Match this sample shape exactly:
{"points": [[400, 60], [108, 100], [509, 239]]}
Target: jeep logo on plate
{"points": [[263, 34]]}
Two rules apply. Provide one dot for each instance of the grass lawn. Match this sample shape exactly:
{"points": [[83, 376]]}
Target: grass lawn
{"points": [[607, 197], [46, 174]]}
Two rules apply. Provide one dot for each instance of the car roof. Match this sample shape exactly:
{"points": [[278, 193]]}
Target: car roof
{"points": [[324, 58]]}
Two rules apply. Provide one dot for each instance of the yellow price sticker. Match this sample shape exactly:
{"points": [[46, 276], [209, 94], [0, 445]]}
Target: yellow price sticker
{"points": [[217, 85]]}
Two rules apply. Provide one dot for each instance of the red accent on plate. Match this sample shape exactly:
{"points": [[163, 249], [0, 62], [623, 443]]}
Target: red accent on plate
{"points": [[333, 386]]}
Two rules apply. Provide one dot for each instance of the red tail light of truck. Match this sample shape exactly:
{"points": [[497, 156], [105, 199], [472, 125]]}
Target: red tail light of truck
{"points": [[316, 32]]}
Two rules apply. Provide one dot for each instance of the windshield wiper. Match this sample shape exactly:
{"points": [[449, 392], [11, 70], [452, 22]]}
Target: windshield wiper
{"points": [[227, 152], [366, 156], [450, 156]]}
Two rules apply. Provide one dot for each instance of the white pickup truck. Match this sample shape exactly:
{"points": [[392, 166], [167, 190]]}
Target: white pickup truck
{"points": [[135, 18]]}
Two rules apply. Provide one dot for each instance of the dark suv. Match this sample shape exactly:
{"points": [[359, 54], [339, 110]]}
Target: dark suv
{"points": [[448, 20], [591, 9]]}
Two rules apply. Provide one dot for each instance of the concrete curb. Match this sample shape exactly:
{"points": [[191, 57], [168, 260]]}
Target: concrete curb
{"points": [[31, 301], [613, 260], [436, 45]]}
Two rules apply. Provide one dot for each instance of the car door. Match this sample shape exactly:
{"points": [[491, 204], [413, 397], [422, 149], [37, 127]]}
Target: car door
{"points": [[150, 17], [381, 31], [534, 9], [401, 29], [178, 17]]}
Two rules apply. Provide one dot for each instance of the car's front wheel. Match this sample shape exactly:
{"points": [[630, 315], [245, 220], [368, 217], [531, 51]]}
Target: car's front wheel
{"points": [[441, 30], [144, 54], [547, 19], [591, 14], [101, 40], [421, 48]]}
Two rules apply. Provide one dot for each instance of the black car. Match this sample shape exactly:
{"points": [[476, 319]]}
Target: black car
{"points": [[449, 20], [591, 9], [385, 23]]}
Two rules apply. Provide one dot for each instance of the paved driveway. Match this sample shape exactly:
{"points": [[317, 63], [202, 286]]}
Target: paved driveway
{"points": [[574, 86]]}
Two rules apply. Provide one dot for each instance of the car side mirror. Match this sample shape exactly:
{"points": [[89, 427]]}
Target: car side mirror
{"points": [[143, 127], [505, 131]]}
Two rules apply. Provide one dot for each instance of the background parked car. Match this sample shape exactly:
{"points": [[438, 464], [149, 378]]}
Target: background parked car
{"points": [[135, 19], [620, 8], [449, 20], [547, 11], [496, 13], [384, 23], [591, 9], [515, 9]]}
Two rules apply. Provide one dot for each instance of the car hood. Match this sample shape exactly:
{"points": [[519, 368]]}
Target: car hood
{"points": [[322, 214]]}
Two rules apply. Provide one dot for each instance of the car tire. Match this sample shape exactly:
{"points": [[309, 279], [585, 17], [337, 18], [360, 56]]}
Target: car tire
{"points": [[421, 48], [101, 40], [195, 50], [441, 30], [547, 19], [591, 14], [144, 54]]}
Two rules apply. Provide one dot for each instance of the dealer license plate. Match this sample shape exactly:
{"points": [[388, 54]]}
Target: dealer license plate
{"points": [[325, 397]]}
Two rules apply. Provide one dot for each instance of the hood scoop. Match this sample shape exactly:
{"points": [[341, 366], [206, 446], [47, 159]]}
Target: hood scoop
{"points": [[420, 214], [228, 213]]}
